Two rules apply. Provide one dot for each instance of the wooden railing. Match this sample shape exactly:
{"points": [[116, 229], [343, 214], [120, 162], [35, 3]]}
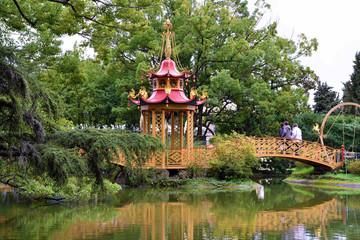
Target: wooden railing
{"points": [[177, 158], [309, 152]]}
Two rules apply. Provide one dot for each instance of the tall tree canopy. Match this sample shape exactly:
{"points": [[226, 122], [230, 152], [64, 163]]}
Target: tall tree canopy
{"points": [[352, 87], [253, 76], [325, 99]]}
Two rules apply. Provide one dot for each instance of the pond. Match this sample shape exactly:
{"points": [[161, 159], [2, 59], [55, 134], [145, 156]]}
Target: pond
{"points": [[278, 211]]}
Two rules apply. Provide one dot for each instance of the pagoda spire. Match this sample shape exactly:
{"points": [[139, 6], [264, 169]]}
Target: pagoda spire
{"points": [[168, 34]]}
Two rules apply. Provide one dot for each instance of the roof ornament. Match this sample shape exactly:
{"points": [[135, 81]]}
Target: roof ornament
{"points": [[168, 34], [193, 93], [143, 93], [132, 94], [204, 95]]}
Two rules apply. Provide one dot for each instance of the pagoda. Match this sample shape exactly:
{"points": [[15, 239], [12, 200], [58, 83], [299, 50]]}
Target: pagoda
{"points": [[169, 106]]}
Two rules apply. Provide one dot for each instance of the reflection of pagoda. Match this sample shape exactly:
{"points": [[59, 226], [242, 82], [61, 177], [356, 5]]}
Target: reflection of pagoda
{"points": [[168, 102]]}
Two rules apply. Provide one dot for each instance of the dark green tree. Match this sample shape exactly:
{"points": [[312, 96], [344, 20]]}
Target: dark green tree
{"points": [[325, 99], [32, 141], [352, 87]]}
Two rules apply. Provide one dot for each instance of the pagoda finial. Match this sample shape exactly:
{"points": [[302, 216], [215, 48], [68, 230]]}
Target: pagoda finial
{"points": [[168, 26]]}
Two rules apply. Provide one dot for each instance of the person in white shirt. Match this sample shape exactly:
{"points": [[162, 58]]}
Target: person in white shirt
{"points": [[297, 135]]}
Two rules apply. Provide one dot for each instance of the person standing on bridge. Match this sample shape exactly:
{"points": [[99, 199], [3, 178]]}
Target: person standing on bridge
{"points": [[287, 130], [281, 130], [286, 134], [297, 135]]}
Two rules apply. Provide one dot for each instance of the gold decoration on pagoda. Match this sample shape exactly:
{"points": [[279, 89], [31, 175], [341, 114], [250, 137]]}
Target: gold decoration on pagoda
{"points": [[143, 93], [168, 34], [132, 94], [168, 87], [193, 93], [204, 94]]}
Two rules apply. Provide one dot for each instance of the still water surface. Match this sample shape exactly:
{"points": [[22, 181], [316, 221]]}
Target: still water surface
{"points": [[281, 211]]}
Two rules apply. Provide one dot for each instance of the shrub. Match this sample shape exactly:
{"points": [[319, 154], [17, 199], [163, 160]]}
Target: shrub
{"points": [[354, 167], [235, 157], [75, 188]]}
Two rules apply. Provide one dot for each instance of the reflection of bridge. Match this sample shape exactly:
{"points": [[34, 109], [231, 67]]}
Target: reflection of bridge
{"points": [[311, 153], [178, 220], [312, 216]]}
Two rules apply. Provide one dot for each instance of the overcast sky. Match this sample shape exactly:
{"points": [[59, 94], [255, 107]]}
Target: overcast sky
{"points": [[333, 23]]}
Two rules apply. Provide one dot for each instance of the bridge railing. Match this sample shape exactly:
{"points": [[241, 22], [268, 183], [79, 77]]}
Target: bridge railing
{"points": [[301, 149]]}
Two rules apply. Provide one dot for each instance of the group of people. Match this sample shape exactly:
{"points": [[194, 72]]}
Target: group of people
{"points": [[286, 132]]}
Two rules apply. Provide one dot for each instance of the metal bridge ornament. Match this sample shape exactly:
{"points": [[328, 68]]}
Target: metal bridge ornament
{"points": [[316, 128], [321, 135]]}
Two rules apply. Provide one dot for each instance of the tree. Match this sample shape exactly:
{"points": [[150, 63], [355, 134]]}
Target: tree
{"points": [[325, 99], [214, 38], [32, 142], [352, 87], [211, 37]]}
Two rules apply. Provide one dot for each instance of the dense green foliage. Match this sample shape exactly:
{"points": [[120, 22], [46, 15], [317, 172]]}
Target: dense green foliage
{"points": [[352, 87], [235, 157], [75, 189], [325, 99], [31, 144], [354, 167]]}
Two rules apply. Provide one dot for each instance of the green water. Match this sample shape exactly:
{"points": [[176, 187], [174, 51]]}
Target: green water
{"points": [[280, 211]]}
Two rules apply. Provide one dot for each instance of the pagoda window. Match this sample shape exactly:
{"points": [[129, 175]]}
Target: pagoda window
{"points": [[173, 84], [155, 84], [181, 82], [162, 84]]}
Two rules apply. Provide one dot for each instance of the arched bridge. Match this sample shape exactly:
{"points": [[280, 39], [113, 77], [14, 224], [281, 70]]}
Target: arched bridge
{"points": [[311, 153]]}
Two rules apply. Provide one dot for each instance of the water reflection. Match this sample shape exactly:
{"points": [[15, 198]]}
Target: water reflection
{"points": [[276, 212]]}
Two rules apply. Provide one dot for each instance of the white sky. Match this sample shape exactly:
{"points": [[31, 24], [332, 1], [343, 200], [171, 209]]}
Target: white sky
{"points": [[333, 23]]}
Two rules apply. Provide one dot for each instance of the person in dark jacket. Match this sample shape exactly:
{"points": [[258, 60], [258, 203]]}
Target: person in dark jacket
{"points": [[286, 134], [281, 129], [287, 130]]}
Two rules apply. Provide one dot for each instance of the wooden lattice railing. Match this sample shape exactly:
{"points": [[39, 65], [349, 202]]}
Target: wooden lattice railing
{"points": [[177, 158], [310, 152], [304, 151]]}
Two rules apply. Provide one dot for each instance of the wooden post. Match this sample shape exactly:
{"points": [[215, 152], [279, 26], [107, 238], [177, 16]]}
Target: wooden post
{"points": [[190, 132], [153, 134], [181, 137], [163, 137], [172, 130], [187, 137]]}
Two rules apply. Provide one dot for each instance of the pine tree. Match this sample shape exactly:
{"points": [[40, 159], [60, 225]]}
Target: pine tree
{"points": [[352, 87], [325, 99]]}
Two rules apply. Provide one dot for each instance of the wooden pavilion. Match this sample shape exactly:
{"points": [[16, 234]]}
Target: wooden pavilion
{"points": [[168, 104]]}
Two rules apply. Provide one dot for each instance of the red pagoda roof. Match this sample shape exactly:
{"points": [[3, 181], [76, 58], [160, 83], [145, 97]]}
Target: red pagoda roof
{"points": [[168, 69], [175, 97]]}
